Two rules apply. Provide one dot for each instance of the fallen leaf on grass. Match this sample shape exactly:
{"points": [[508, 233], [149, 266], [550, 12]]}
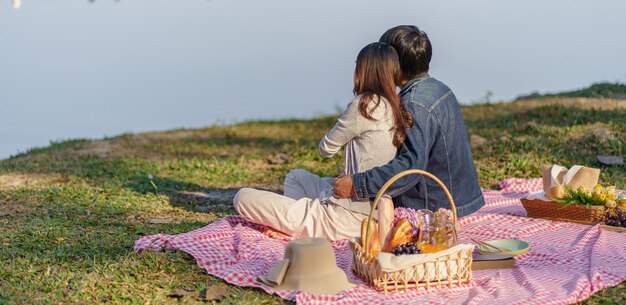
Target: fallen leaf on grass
{"points": [[279, 158], [213, 293], [179, 293], [160, 220]]}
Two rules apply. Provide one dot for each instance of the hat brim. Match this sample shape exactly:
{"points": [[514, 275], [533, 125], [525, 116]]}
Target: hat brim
{"points": [[331, 283]]}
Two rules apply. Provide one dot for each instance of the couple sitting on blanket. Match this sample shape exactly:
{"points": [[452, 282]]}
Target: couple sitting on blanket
{"points": [[382, 134]]}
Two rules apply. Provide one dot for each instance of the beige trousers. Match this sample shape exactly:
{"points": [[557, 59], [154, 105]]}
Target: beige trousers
{"points": [[299, 212]]}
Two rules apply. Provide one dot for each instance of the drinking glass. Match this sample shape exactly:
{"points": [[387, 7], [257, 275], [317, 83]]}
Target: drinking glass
{"points": [[435, 231]]}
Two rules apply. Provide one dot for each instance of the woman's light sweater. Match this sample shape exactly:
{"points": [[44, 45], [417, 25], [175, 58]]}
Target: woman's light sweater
{"points": [[368, 143]]}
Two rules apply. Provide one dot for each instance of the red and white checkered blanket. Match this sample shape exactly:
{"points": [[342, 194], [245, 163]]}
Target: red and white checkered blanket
{"points": [[567, 262]]}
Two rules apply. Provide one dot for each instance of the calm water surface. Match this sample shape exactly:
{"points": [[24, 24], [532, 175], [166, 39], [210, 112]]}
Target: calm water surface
{"points": [[88, 69]]}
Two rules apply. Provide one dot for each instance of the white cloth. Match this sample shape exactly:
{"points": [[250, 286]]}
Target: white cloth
{"points": [[539, 195], [389, 262], [304, 217], [300, 183]]}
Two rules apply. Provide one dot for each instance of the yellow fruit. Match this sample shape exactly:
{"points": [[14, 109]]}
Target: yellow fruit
{"points": [[610, 204], [597, 190]]}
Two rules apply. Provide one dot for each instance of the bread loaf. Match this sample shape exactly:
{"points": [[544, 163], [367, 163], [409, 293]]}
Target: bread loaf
{"points": [[385, 220], [402, 234], [373, 240]]}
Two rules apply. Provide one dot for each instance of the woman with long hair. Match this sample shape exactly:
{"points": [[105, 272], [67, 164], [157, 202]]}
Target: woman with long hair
{"points": [[370, 131]]}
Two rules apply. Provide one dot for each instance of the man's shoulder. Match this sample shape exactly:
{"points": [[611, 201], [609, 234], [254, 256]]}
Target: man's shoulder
{"points": [[429, 93], [437, 83], [431, 87]]}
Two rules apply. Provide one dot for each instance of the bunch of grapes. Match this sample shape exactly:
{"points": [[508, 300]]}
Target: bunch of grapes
{"points": [[408, 248], [616, 219]]}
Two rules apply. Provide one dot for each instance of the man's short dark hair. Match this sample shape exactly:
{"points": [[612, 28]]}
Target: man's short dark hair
{"points": [[413, 48]]}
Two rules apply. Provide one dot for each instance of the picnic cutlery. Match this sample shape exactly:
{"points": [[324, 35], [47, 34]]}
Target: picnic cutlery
{"points": [[488, 245]]}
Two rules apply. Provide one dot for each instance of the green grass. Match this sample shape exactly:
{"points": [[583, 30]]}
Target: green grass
{"points": [[76, 207], [599, 90]]}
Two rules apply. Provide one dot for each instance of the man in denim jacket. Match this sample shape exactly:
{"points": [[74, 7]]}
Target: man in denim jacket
{"points": [[437, 142]]}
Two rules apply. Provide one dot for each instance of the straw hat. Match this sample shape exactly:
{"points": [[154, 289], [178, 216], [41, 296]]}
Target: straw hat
{"points": [[556, 177], [309, 265]]}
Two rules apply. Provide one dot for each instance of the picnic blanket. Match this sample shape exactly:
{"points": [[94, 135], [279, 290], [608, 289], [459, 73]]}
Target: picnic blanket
{"points": [[567, 262]]}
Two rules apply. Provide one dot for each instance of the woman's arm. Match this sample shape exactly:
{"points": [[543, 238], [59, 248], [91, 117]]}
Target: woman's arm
{"points": [[412, 154], [348, 126]]}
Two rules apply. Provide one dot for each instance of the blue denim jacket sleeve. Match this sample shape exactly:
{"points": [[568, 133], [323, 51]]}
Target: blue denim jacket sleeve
{"points": [[413, 154]]}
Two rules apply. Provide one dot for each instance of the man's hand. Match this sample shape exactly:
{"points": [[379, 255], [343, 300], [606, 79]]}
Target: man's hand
{"points": [[342, 187]]}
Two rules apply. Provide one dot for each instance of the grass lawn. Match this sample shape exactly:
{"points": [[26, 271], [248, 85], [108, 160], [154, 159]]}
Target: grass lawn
{"points": [[71, 212]]}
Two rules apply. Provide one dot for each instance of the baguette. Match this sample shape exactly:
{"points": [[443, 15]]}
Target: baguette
{"points": [[373, 240], [385, 220]]}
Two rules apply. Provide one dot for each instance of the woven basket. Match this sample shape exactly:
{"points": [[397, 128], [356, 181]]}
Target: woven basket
{"points": [[454, 268], [557, 211]]}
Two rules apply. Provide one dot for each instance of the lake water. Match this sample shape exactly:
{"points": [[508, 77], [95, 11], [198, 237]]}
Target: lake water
{"points": [[89, 69]]}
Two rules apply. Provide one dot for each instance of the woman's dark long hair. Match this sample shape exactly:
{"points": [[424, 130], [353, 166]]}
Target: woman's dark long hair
{"points": [[376, 74]]}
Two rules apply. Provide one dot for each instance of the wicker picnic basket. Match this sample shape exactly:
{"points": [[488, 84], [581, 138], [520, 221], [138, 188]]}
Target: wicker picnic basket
{"points": [[450, 269], [551, 210]]}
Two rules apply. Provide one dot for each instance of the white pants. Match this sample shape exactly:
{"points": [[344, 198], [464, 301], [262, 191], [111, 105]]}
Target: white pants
{"points": [[299, 212]]}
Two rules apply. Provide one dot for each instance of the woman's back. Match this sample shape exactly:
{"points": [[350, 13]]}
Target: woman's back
{"points": [[368, 143]]}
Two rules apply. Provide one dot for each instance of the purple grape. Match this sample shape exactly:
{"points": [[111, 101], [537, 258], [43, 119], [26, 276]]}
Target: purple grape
{"points": [[408, 248]]}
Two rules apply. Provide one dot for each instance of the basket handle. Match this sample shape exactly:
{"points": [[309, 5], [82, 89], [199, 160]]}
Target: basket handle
{"points": [[394, 179]]}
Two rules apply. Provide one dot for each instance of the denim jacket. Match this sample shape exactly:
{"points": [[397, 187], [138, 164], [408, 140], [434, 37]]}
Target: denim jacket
{"points": [[437, 143]]}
